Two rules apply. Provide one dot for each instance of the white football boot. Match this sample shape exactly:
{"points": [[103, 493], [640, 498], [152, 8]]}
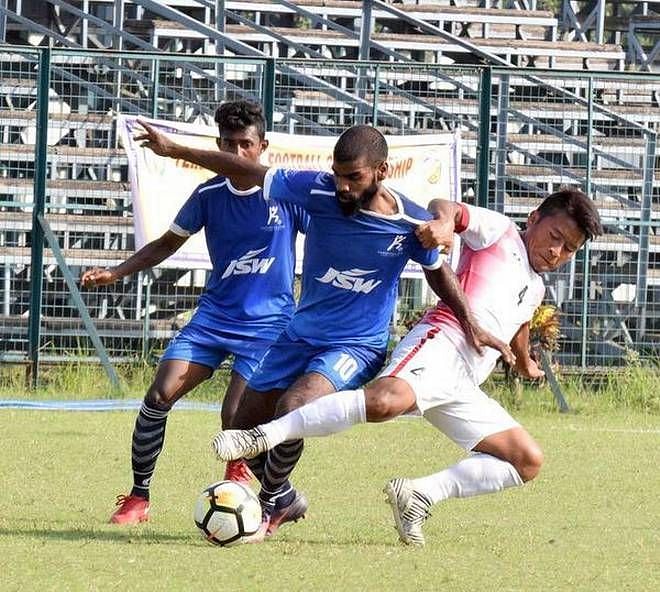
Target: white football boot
{"points": [[410, 509], [234, 444]]}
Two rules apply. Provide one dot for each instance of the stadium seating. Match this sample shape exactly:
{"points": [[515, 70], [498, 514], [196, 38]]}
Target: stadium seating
{"points": [[544, 142]]}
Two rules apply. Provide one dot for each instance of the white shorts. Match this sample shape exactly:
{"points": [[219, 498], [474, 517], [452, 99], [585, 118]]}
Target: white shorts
{"points": [[445, 391]]}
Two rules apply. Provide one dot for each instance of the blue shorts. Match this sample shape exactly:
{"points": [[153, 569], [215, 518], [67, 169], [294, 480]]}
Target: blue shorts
{"points": [[345, 366], [209, 347]]}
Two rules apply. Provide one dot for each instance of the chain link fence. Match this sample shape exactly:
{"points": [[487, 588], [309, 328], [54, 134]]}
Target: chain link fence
{"points": [[596, 132], [522, 136], [18, 115]]}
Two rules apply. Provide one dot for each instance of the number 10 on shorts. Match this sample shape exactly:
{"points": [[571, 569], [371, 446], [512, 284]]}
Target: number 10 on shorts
{"points": [[345, 366]]}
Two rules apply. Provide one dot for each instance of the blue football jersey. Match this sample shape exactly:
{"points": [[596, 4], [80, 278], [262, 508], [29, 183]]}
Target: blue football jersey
{"points": [[251, 243], [352, 263]]}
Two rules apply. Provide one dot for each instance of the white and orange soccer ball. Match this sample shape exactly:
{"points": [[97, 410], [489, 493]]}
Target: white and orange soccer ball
{"points": [[227, 512]]}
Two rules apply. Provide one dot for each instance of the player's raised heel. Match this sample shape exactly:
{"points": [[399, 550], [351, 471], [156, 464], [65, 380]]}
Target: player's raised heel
{"points": [[410, 509], [235, 444], [132, 510]]}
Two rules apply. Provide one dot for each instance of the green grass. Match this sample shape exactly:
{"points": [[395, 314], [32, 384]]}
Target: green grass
{"points": [[590, 522], [89, 381]]}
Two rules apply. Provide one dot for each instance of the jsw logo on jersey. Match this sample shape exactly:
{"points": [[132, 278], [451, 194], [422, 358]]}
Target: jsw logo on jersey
{"points": [[352, 279], [248, 263]]}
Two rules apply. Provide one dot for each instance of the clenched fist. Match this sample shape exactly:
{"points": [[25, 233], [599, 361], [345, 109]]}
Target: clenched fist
{"points": [[436, 234]]}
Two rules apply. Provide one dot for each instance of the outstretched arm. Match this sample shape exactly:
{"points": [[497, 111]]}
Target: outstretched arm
{"points": [[444, 283], [223, 163], [148, 256], [525, 365]]}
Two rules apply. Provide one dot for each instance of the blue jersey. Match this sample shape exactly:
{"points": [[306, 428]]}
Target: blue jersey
{"points": [[352, 263], [251, 243]]}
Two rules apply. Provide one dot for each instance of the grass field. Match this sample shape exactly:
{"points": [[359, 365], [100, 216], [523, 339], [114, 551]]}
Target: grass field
{"points": [[590, 522]]}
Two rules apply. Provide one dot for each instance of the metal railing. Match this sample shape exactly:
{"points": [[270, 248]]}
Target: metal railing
{"points": [[523, 135]]}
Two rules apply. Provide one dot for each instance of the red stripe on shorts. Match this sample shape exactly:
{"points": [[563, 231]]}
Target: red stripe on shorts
{"points": [[430, 334]]}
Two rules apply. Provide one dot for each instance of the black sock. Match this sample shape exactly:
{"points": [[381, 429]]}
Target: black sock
{"points": [[148, 438], [276, 489]]}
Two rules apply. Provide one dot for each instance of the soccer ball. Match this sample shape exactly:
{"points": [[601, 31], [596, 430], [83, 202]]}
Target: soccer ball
{"points": [[227, 512]]}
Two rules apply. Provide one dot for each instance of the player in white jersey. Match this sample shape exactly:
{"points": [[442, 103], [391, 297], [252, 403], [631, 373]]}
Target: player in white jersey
{"points": [[433, 371]]}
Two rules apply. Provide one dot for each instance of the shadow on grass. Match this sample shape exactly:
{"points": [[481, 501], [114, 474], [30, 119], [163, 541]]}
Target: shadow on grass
{"points": [[89, 535], [63, 531], [336, 542], [132, 537]]}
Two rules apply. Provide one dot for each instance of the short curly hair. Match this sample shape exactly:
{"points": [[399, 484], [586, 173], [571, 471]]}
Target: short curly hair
{"points": [[238, 115], [578, 206]]}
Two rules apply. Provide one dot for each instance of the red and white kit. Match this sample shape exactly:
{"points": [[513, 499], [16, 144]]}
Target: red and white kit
{"points": [[434, 358]]}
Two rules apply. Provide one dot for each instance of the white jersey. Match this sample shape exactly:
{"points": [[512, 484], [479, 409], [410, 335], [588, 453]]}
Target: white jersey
{"points": [[501, 287]]}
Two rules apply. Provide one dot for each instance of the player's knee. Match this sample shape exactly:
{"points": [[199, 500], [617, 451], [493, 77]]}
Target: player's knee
{"points": [[158, 398], [530, 462], [385, 400], [244, 415]]}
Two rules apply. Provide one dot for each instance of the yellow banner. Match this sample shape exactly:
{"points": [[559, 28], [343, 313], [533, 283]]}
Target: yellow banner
{"points": [[422, 167]]}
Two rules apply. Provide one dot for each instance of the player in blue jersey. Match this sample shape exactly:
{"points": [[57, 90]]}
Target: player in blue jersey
{"points": [[360, 236], [247, 302], [434, 372]]}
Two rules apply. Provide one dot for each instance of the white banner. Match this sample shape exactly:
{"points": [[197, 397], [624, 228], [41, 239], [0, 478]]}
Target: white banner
{"points": [[422, 167]]}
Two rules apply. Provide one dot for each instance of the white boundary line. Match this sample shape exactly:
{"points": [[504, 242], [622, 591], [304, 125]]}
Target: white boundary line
{"points": [[613, 430]]}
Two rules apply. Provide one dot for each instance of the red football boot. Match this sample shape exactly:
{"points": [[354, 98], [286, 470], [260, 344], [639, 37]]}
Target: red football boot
{"points": [[238, 471], [132, 510]]}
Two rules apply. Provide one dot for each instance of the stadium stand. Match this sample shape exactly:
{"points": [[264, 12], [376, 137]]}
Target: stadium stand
{"points": [[539, 126], [635, 24]]}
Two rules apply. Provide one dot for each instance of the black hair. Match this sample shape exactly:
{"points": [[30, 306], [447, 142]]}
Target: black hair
{"points": [[361, 141], [578, 206], [238, 115]]}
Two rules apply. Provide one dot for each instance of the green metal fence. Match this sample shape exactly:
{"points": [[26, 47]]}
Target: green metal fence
{"points": [[524, 133], [598, 132]]}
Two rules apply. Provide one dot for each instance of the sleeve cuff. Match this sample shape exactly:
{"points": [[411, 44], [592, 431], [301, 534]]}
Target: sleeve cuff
{"points": [[437, 264], [176, 229], [465, 219], [268, 182]]}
